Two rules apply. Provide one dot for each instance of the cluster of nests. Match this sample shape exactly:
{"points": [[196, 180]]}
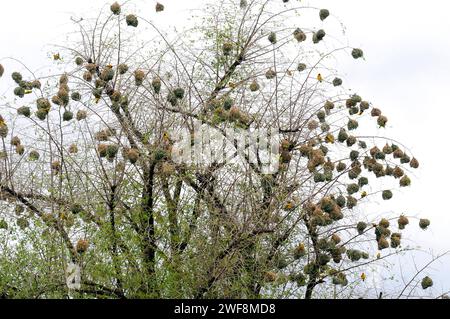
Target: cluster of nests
{"points": [[131, 19], [24, 87], [327, 210], [225, 110]]}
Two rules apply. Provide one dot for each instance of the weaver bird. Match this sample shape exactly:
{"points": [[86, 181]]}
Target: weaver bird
{"points": [[56, 57], [363, 194], [363, 276], [319, 78]]}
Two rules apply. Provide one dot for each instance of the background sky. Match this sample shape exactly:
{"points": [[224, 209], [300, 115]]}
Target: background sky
{"points": [[406, 73]]}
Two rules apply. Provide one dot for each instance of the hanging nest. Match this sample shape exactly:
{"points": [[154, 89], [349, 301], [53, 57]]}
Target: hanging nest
{"points": [[323, 259], [361, 227], [73, 149], [299, 35], [335, 239], [20, 150], [319, 177], [139, 77], [357, 53], [79, 61], [352, 189], [352, 124], [362, 144], [364, 105], [15, 141], [349, 103], [301, 67], [323, 14], [424, 223], [405, 159], [351, 140], [340, 201], [305, 150], [17, 77], [179, 93], [398, 172], [23, 223], [405, 181], [2, 70], [414, 163], [34, 155], [159, 7], [299, 251], [41, 114], [97, 93], [387, 194], [285, 157], [64, 79], [340, 167], [354, 155], [329, 105], [340, 279], [272, 37], [327, 204], [91, 68], [354, 255], [20, 92], [67, 116], [24, 110], [243, 4], [107, 74], [75, 96], [321, 115], [375, 112], [342, 136], [227, 48], [131, 154], [426, 283], [115, 8], [271, 74], [81, 115], [111, 151], [382, 120], [351, 202], [313, 125], [318, 36], [383, 243], [387, 149], [132, 20], [396, 240], [354, 173], [254, 86], [87, 76], [56, 167], [36, 84], [398, 153], [102, 150], [363, 181], [337, 82], [82, 246], [156, 84]]}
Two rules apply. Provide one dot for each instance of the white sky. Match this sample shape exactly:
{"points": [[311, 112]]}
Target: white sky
{"points": [[406, 74]]}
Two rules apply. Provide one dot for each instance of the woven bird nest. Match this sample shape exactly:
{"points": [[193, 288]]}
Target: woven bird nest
{"points": [[132, 20]]}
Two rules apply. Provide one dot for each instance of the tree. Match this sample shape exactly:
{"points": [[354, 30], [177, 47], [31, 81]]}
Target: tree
{"points": [[92, 181]]}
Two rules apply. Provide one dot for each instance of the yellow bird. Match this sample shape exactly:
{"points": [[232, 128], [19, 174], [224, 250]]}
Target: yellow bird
{"points": [[97, 99], [319, 78], [378, 256], [28, 91], [56, 57], [329, 138], [363, 277], [363, 194]]}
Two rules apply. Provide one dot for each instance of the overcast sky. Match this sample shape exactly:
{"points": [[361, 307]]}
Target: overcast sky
{"points": [[406, 73]]}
